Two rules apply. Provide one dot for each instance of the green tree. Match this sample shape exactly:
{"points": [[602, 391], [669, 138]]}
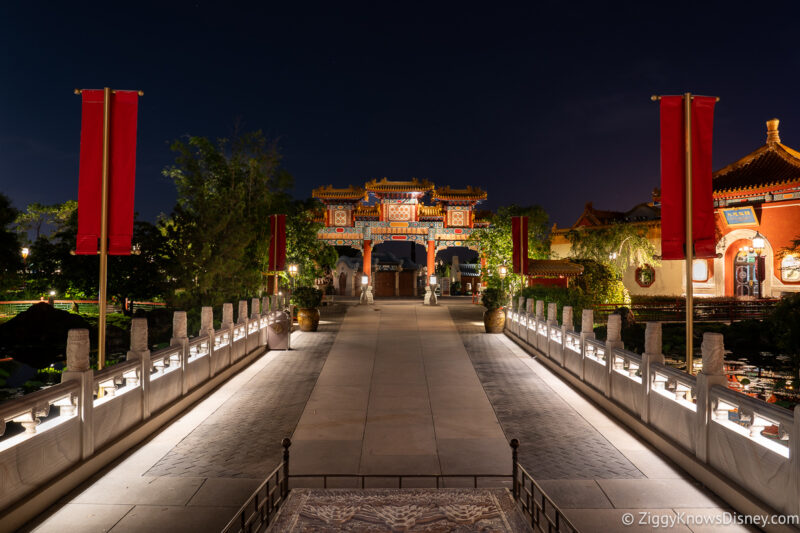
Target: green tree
{"points": [[38, 216], [217, 238], [314, 258], [618, 246], [495, 243], [10, 258]]}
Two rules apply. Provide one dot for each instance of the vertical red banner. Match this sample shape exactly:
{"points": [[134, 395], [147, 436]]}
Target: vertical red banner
{"points": [[277, 243], [121, 171], [519, 248], [673, 177], [705, 243], [122, 182], [91, 172]]}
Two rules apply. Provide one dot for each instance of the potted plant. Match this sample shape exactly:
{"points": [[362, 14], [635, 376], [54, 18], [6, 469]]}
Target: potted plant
{"points": [[307, 300], [494, 320]]}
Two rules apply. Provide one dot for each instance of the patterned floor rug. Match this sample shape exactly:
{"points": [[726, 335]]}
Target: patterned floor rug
{"points": [[399, 510]]}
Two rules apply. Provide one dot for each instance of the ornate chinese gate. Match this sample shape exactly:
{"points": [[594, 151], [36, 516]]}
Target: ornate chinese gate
{"points": [[395, 211]]}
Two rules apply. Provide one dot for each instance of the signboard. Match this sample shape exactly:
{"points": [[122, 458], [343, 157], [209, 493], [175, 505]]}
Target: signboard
{"points": [[740, 216]]}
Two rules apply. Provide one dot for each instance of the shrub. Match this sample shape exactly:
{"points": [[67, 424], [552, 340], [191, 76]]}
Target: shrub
{"points": [[560, 295], [492, 298], [307, 297]]}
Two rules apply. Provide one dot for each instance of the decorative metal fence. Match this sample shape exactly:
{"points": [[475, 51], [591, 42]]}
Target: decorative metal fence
{"points": [[539, 509], [11, 308], [263, 505], [704, 310]]}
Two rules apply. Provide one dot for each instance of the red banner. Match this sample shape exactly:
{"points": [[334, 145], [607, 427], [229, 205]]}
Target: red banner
{"points": [[673, 177], [519, 238], [91, 172], [277, 243], [121, 171], [122, 185]]}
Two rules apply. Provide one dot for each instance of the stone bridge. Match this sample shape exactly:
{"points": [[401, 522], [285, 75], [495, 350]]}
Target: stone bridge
{"points": [[178, 439]]}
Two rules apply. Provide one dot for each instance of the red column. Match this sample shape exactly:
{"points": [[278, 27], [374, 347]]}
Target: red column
{"points": [[367, 267], [431, 257]]}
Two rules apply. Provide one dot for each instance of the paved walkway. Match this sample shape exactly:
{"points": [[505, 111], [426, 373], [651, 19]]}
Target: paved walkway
{"points": [[396, 388]]}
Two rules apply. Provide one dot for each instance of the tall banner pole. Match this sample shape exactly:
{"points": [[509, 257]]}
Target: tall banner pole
{"points": [[689, 246], [101, 324]]}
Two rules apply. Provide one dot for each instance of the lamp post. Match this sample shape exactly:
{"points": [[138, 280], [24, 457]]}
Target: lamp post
{"points": [[25, 251], [502, 271], [364, 290], [759, 243]]}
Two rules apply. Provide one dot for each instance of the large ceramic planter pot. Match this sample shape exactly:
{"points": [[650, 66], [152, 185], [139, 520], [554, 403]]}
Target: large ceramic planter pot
{"points": [[308, 319], [494, 320]]}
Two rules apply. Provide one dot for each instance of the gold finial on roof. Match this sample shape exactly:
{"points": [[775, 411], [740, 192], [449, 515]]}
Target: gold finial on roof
{"points": [[772, 131]]}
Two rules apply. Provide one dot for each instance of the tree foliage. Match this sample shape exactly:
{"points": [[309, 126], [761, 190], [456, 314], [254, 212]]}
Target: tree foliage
{"points": [[618, 246], [217, 238], [495, 243], [38, 218], [10, 259], [314, 258]]}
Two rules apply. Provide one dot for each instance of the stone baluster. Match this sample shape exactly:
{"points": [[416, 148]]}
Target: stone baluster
{"points": [[539, 309], [520, 304], [227, 316], [652, 354], [78, 370], [180, 338], [242, 315], [713, 373], [613, 341], [552, 314], [529, 320], [275, 306], [587, 332], [254, 310], [140, 352], [262, 332], [566, 318], [207, 329]]}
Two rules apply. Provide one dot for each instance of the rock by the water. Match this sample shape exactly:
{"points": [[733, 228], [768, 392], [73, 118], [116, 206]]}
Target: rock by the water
{"points": [[38, 336]]}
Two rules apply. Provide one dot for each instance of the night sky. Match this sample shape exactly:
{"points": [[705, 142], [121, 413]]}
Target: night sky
{"points": [[548, 105]]}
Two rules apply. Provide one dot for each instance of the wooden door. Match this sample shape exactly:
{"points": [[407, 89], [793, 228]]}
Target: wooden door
{"points": [[384, 283], [407, 280]]}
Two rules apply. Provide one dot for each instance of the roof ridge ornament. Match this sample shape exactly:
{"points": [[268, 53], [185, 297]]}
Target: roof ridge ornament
{"points": [[773, 136]]}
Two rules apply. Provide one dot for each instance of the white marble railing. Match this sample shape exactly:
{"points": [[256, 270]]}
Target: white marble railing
{"points": [[97, 408], [754, 443]]}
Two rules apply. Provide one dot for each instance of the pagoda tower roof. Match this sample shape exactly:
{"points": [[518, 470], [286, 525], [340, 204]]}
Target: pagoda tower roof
{"points": [[772, 164], [330, 193], [470, 194], [387, 186]]}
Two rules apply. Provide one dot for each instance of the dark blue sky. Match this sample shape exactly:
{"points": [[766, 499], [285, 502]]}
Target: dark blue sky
{"points": [[547, 105]]}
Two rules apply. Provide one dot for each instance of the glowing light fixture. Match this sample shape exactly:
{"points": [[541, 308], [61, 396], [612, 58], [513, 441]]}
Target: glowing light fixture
{"points": [[293, 269], [433, 280], [52, 293], [25, 252], [502, 271], [759, 243], [364, 280]]}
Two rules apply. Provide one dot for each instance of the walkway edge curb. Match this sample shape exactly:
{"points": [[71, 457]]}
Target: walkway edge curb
{"points": [[742, 501], [37, 502]]}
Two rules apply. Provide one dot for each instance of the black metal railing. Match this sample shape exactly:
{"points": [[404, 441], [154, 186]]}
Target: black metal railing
{"points": [[710, 310], [438, 480], [536, 505], [262, 506]]}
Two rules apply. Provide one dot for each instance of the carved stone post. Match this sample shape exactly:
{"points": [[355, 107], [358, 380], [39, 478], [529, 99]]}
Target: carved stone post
{"points": [[566, 318], [242, 315], [78, 370], [529, 320], [539, 309], [265, 305], [254, 311], [552, 313], [587, 332], [227, 316], [262, 332], [713, 373], [140, 353], [652, 354], [179, 338], [613, 341], [207, 329]]}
